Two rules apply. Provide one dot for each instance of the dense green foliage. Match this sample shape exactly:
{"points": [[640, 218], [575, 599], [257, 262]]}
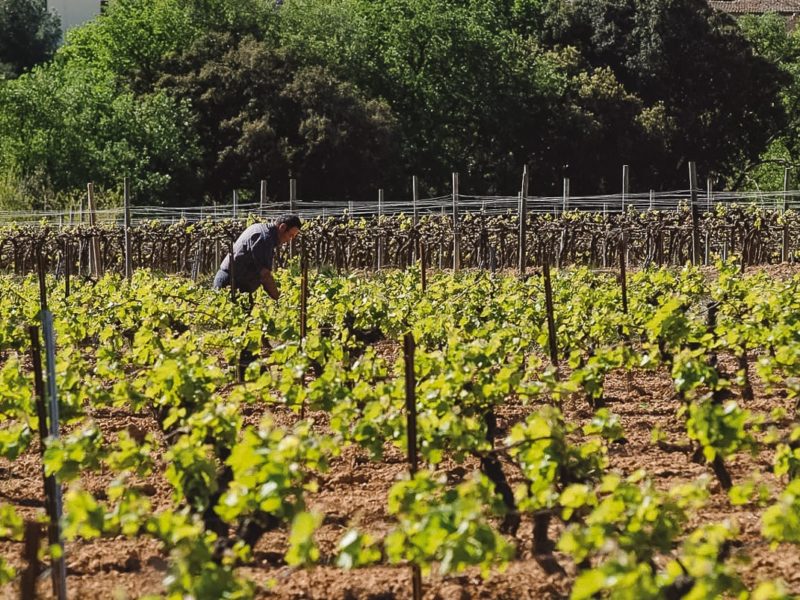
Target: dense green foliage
{"points": [[771, 40], [73, 123], [28, 35], [692, 72], [192, 99], [167, 350]]}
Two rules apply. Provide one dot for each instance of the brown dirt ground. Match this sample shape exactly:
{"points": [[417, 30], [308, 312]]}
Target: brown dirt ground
{"points": [[355, 490]]}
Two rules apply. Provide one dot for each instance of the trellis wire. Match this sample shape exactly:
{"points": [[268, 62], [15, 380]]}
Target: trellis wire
{"points": [[608, 203]]}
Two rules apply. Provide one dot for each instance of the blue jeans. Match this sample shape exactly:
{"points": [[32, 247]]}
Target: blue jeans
{"points": [[222, 279]]}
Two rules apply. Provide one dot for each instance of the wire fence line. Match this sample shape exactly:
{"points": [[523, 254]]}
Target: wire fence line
{"points": [[605, 203]]}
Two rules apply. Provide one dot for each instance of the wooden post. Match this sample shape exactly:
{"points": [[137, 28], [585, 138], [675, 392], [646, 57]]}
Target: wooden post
{"points": [[414, 199], [292, 200], [127, 226], [50, 350], [565, 198], [695, 215], [50, 487], [523, 221], [231, 271], [198, 260], [785, 231], [551, 320], [456, 227], [380, 233], [623, 277], [30, 556], [303, 289], [409, 348], [652, 198], [59, 571], [80, 256], [67, 266], [709, 193], [441, 241], [94, 248], [562, 241], [411, 435], [414, 216], [38, 389], [262, 197], [423, 266], [235, 204], [625, 185]]}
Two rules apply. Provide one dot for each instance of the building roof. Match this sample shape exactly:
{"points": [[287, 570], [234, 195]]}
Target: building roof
{"points": [[785, 7]]}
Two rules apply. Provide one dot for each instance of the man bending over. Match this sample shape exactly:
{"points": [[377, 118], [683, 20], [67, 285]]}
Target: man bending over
{"points": [[253, 255]]}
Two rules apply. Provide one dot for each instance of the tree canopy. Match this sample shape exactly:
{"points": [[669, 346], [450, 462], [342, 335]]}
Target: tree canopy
{"points": [[719, 99], [265, 115], [29, 35], [195, 98]]}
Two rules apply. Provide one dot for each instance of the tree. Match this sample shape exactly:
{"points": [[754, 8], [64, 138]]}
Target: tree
{"points": [[720, 101], [774, 42], [133, 38], [470, 95], [29, 35], [63, 125], [261, 115], [194, 98]]}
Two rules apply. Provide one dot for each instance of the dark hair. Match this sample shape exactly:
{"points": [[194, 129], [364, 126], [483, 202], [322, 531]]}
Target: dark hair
{"points": [[290, 221]]}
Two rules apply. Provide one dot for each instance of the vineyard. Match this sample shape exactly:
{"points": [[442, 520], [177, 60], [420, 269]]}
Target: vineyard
{"points": [[575, 433], [487, 367], [761, 235]]}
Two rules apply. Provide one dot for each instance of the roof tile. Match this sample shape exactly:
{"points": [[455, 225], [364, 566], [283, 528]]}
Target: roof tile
{"points": [[757, 6]]}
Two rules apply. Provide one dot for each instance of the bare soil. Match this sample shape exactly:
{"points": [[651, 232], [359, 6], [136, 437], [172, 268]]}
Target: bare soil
{"points": [[354, 492]]}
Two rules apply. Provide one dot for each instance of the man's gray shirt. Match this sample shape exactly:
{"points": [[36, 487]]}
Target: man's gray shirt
{"points": [[253, 251]]}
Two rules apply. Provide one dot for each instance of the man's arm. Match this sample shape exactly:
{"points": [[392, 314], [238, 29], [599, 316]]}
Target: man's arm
{"points": [[269, 283]]}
